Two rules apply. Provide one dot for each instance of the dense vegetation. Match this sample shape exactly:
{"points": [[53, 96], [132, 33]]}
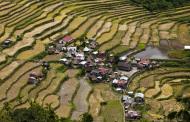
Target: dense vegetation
{"points": [[159, 5], [35, 113], [182, 115]]}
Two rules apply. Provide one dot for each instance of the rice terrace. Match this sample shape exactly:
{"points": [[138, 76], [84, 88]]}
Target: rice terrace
{"points": [[94, 60]]}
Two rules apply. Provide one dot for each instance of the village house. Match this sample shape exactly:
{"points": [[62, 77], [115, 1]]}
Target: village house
{"points": [[139, 98], [187, 47], [7, 43], [123, 58], [35, 78], [46, 65], [127, 101], [144, 63], [87, 50], [68, 39], [123, 65], [120, 83], [132, 115], [93, 44], [72, 50], [51, 49], [65, 61]]}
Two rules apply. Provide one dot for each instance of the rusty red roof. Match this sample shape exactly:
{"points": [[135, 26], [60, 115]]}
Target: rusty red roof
{"points": [[67, 38]]}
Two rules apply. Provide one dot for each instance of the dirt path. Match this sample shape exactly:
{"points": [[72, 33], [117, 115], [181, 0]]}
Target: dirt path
{"points": [[80, 100]]}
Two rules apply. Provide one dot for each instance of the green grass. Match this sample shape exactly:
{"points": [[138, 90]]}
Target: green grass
{"points": [[141, 46], [119, 49], [179, 54], [112, 111]]}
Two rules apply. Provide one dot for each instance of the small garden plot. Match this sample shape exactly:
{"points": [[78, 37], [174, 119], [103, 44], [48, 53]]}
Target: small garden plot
{"points": [[153, 92], [84, 27], [92, 32], [14, 90], [6, 71], [171, 105], [166, 26], [135, 38], [147, 82], [12, 79], [75, 24], [131, 30], [106, 28], [80, 100], [113, 111], [52, 100], [37, 49], [108, 36], [166, 92], [114, 42]]}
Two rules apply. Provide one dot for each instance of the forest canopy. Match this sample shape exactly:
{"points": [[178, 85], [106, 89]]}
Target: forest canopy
{"points": [[160, 5]]}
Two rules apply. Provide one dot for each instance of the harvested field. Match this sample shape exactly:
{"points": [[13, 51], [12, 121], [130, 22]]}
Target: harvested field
{"points": [[166, 92], [91, 33], [38, 48], [112, 111], [66, 94], [2, 58], [168, 85], [6, 71], [80, 99], [171, 105], [52, 100], [116, 25], [153, 92]]}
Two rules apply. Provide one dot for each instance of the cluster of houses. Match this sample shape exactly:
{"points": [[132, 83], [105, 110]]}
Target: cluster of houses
{"points": [[35, 78], [99, 66], [127, 64], [130, 102]]}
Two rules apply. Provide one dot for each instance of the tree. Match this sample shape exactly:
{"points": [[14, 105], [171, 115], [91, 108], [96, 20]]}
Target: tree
{"points": [[87, 118], [182, 115], [35, 113]]}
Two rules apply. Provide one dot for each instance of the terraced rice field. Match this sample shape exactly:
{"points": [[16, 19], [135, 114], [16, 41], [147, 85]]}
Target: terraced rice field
{"points": [[117, 26], [161, 86]]}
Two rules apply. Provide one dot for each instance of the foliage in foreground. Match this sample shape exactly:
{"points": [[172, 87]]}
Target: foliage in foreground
{"points": [[35, 113], [160, 5], [184, 114]]}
